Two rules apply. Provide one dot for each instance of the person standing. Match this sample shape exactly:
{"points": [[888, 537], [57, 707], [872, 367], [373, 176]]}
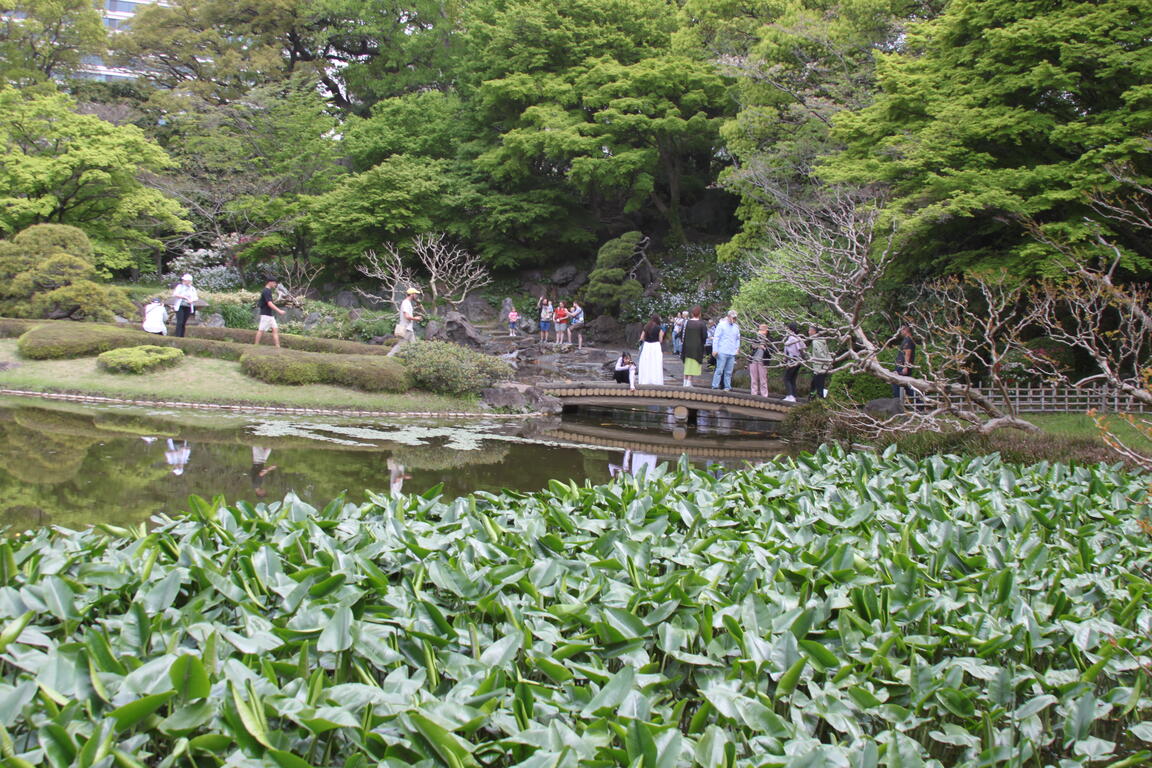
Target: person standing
{"points": [[155, 316], [794, 347], [546, 312], [185, 302], [905, 360], [709, 339], [725, 345], [756, 370], [821, 361], [678, 332], [576, 320], [692, 347], [267, 319], [406, 327], [560, 320], [513, 318], [651, 366]]}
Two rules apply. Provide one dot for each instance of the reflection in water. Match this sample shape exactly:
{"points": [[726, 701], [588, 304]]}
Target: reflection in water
{"points": [[74, 465]]}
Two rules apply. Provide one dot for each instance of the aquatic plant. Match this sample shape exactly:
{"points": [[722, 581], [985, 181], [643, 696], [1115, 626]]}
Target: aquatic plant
{"points": [[829, 610]]}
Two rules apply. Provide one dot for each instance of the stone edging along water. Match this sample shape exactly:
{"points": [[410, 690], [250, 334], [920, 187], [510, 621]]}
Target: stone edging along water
{"points": [[235, 408]]}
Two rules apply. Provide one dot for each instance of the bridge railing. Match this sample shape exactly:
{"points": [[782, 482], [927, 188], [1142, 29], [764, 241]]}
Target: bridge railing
{"points": [[1033, 399]]}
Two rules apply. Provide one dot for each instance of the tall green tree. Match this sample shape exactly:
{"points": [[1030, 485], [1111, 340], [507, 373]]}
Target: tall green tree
{"points": [[358, 50], [999, 111], [796, 65], [42, 39], [61, 167]]}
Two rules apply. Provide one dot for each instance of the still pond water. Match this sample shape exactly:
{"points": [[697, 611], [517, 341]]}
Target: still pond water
{"points": [[74, 466]]}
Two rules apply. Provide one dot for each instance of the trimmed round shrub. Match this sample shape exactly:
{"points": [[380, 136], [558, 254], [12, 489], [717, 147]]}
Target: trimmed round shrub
{"points": [[57, 341], [370, 374], [45, 239], [143, 359], [450, 369]]}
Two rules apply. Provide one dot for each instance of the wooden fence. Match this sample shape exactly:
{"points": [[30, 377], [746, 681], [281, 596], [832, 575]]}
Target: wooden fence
{"points": [[1065, 399]]}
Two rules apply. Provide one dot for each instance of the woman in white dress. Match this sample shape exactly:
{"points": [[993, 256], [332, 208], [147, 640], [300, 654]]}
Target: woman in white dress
{"points": [[650, 370]]}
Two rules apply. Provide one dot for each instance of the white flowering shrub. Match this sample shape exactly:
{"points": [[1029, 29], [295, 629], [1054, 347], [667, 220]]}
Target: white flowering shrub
{"points": [[690, 275]]}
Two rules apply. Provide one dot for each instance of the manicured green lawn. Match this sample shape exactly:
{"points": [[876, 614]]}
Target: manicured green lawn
{"points": [[205, 380], [1082, 425]]}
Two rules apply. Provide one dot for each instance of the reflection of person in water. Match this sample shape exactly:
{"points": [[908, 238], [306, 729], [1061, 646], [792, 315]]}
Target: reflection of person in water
{"points": [[635, 463], [177, 457], [260, 469], [396, 477]]}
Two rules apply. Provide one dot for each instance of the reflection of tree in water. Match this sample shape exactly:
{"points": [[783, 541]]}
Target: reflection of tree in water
{"points": [[39, 457], [437, 458]]}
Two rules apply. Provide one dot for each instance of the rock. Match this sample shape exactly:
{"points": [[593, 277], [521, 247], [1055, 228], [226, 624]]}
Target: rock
{"points": [[505, 307], [477, 309], [885, 406], [119, 320], [214, 320], [355, 314], [528, 326], [604, 329], [576, 283], [516, 396], [564, 275], [312, 319], [293, 315], [379, 340], [346, 299], [453, 327]]}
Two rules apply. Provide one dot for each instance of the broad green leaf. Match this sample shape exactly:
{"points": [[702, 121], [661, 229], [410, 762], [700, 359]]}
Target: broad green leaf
{"points": [[133, 712], [189, 678]]}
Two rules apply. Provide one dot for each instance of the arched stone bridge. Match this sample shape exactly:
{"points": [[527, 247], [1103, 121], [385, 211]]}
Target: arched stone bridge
{"points": [[683, 401]]}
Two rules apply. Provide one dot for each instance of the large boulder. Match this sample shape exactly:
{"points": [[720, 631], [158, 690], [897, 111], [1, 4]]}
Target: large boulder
{"points": [[517, 396], [215, 320], [506, 306], [454, 327], [346, 299], [477, 309], [885, 406], [604, 329], [564, 275]]}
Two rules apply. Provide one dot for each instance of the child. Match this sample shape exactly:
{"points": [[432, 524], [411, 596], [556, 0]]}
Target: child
{"points": [[513, 318], [625, 371]]}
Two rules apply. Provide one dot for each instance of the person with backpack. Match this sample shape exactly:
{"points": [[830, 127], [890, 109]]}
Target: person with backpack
{"points": [[820, 361], [794, 348]]}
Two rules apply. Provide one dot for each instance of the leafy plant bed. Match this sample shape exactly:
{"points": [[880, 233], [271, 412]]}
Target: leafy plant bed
{"points": [[838, 610], [137, 360]]}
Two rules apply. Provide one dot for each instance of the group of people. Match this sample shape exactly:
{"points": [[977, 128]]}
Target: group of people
{"points": [[695, 341], [184, 301], [563, 321]]}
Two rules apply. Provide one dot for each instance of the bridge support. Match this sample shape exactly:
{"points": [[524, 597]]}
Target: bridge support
{"points": [[684, 413]]}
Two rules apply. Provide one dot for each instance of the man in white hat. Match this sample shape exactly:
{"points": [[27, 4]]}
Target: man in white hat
{"points": [[406, 328], [185, 302]]}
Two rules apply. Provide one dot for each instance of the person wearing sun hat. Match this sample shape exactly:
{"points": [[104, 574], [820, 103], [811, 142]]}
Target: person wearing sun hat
{"points": [[406, 327], [185, 302]]}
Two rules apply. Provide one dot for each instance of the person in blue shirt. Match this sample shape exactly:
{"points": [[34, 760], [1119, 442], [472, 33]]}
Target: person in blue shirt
{"points": [[725, 345]]}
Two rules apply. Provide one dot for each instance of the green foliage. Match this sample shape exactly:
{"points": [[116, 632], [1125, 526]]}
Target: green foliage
{"points": [[56, 341], [857, 387], [237, 315], [294, 367], [762, 296], [46, 271], [609, 287], [841, 599], [71, 168], [691, 275], [291, 341], [137, 360], [45, 39], [450, 369], [1003, 110], [42, 240]]}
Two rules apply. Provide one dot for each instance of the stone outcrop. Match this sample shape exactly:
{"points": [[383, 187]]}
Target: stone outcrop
{"points": [[516, 396], [453, 326]]}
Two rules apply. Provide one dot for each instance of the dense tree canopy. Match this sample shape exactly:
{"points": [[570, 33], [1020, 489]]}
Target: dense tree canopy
{"points": [[41, 39], [1002, 109], [61, 167]]}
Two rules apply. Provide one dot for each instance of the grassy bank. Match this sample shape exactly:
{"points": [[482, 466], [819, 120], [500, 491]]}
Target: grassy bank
{"points": [[829, 610], [205, 380]]}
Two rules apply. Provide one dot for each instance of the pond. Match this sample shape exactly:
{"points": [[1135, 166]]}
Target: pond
{"points": [[72, 465]]}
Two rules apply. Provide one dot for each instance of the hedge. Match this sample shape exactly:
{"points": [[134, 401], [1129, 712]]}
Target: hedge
{"points": [[290, 341], [56, 341], [142, 359], [369, 373]]}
